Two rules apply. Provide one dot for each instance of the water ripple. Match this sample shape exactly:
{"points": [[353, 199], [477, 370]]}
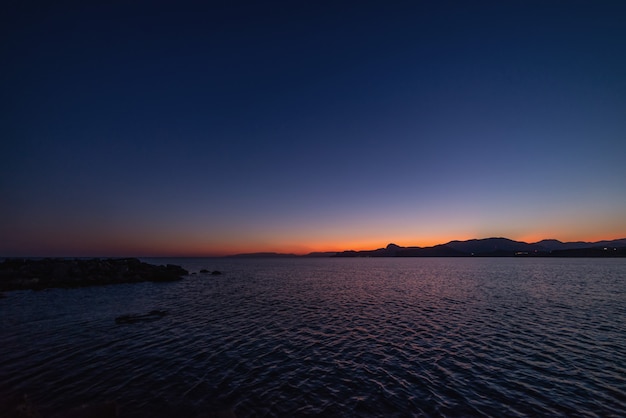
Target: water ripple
{"points": [[366, 337]]}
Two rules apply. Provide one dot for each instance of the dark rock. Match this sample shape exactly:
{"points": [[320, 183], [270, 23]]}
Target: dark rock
{"points": [[214, 272], [17, 274]]}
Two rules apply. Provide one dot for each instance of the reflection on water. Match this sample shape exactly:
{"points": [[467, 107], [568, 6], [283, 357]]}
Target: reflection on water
{"points": [[331, 337]]}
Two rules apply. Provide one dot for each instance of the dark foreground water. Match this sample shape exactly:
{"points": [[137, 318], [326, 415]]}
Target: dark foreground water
{"points": [[331, 337]]}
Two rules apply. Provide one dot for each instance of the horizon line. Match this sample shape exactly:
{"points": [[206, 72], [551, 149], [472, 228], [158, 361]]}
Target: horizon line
{"points": [[194, 254]]}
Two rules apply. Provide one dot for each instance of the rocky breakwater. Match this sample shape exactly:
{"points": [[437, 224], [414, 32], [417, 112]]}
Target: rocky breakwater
{"points": [[20, 274]]}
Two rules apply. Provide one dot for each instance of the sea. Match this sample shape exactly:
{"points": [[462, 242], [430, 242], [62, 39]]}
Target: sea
{"points": [[329, 337]]}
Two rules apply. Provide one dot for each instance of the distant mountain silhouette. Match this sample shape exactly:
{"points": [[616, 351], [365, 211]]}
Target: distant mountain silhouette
{"points": [[486, 247], [391, 250], [500, 247], [263, 255], [553, 244], [320, 254]]}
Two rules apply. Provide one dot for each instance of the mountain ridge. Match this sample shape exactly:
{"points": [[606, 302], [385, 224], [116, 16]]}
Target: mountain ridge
{"points": [[481, 247]]}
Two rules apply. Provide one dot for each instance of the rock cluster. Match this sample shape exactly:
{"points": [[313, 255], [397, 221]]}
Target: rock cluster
{"points": [[18, 274], [213, 273]]}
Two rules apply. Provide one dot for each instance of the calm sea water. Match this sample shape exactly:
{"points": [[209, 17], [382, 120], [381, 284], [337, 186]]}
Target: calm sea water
{"points": [[331, 337]]}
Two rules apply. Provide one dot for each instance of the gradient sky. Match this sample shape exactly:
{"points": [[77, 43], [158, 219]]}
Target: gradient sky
{"points": [[137, 128]]}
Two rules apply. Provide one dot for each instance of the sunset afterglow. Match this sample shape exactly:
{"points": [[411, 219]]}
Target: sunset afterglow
{"points": [[202, 130]]}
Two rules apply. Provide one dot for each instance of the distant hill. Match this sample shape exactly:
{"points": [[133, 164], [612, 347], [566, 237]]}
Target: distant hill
{"points": [[553, 244], [391, 250], [500, 247], [320, 254], [490, 245], [486, 247], [263, 255]]}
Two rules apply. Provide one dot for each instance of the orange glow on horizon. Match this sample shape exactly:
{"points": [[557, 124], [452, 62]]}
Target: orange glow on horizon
{"points": [[338, 246], [177, 246]]}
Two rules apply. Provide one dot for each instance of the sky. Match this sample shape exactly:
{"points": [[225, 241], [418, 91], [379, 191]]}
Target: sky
{"points": [[138, 128]]}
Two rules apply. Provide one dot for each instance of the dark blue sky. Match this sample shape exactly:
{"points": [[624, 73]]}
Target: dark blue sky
{"points": [[145, 128]]}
